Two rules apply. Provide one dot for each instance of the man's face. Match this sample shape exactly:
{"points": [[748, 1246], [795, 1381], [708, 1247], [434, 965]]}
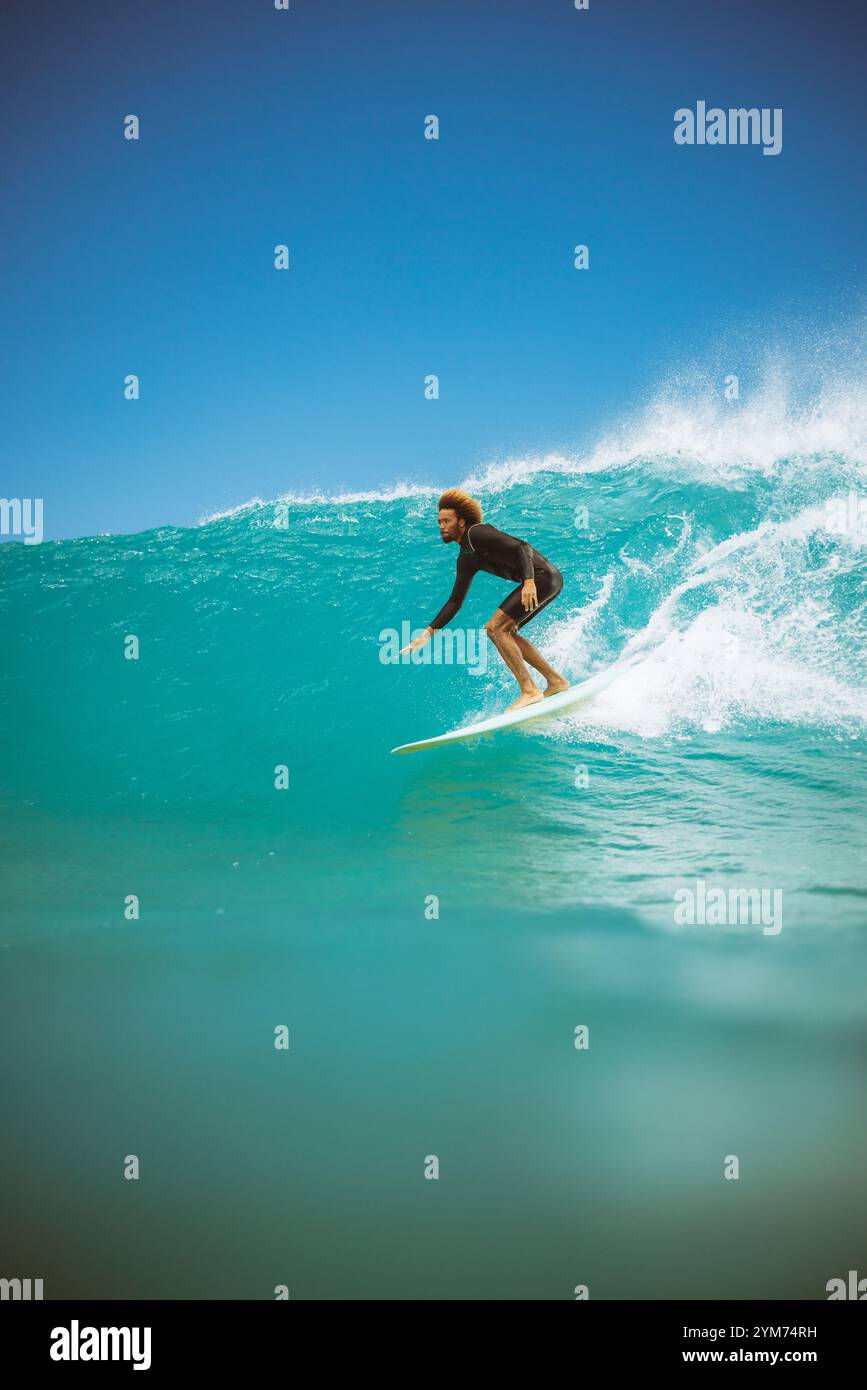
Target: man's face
{"points": [[451, 526]]}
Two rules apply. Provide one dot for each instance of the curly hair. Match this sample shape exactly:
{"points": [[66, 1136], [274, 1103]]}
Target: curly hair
{"points": [[462, 504]]}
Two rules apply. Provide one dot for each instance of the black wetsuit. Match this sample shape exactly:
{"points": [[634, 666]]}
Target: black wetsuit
{"points": [[485, 548]]}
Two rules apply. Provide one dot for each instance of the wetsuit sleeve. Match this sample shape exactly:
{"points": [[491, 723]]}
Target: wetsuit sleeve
{"points": [[506, 546], [463, 580]]}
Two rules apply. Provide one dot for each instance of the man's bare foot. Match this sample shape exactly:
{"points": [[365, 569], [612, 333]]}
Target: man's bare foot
{"points": [[554, 687], [527, 697]]}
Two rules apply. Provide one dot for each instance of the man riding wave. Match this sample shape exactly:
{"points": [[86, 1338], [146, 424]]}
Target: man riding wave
{"points": [[483, 547]]}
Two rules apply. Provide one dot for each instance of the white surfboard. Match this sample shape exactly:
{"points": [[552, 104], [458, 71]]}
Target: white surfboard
{"points": [[543, 709]]}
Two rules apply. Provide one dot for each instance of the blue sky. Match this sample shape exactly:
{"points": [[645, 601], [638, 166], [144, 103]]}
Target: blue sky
{"points": [[408, 256]]}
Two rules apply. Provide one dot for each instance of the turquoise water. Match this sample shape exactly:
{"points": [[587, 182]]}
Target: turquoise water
{"points": [[728, 559]]}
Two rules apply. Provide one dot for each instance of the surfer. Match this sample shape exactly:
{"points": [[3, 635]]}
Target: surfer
{"points": [[483, 547]]}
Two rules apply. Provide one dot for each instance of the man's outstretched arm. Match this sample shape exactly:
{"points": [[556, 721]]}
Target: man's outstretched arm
{"points": [[453, 603]]}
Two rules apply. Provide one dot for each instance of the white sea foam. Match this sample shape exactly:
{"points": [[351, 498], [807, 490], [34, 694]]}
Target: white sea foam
{"points": [[688, 683], [690, 425], [768, 642], [398, 492]]}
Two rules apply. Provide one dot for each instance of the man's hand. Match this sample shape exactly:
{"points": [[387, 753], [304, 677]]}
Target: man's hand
{"points": [[529, 597], [417, 642]]}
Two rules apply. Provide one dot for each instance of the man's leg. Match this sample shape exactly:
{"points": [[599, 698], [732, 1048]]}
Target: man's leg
{"points": [[537, 661], [501, 630]]}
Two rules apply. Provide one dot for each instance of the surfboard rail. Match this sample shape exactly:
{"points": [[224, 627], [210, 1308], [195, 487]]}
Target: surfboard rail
{"points": [[543, 709]]}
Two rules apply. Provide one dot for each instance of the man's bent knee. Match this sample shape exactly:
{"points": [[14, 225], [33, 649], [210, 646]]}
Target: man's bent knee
{"points": [[499, 625]]}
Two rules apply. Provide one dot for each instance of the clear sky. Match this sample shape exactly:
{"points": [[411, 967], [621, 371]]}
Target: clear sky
{"points": [[408, 256]]}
